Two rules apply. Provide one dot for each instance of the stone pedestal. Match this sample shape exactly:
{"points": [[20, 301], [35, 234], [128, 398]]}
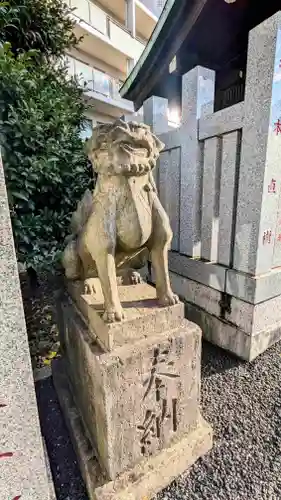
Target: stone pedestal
{"points": [[130, 392]]}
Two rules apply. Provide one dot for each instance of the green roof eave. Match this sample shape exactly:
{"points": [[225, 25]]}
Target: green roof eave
{"points": [[155, 34]]}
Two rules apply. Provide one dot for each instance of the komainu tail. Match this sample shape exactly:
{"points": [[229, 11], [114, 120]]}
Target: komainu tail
{"points": [[70, 258], [71, 261]]}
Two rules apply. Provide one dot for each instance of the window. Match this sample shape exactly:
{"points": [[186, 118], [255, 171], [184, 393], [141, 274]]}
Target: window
{"points": [[85, 74], [101, 82]]}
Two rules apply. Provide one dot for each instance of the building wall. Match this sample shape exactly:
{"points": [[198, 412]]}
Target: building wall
{"points": [[119, 15], [97, 117], [99, 64], [113, 35]]}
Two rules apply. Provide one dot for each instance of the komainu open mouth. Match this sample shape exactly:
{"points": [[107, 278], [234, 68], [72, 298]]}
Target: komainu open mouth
{"points": [[137, 151]]}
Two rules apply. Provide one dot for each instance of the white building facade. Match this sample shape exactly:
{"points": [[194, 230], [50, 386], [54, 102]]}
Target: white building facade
{"points": [[114, 34]]}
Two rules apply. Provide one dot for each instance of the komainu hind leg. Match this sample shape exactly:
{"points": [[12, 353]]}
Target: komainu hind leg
{"points": [[128, 263], [129, 277]]}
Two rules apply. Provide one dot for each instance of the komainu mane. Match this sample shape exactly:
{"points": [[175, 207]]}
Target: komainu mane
{"points": [[117, 226]]}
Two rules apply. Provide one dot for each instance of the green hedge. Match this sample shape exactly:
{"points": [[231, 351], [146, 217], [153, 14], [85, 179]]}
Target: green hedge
{"points": [[41, 116]]}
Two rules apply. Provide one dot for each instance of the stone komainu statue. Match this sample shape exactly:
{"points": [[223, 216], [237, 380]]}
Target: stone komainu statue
{"points": [[116, 226]]}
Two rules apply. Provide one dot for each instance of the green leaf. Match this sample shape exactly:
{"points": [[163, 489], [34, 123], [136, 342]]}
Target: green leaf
{"points": [[21, 196]]}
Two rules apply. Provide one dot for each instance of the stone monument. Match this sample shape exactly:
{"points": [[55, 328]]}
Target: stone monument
{"points": [[129, 378], [23, 469]]}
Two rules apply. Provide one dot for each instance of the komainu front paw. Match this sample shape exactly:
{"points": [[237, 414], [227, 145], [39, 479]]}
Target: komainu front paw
{"points": [[113, 314], [168, 299]]}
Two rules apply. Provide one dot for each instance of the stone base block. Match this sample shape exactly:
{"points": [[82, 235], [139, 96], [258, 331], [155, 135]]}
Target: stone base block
{"points": [[147, 478], [142, 313], [138, 400], [240, 327], [230, 337]]}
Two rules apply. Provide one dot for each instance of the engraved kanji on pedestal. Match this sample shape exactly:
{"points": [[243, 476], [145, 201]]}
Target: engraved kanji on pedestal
{"points": [[160, 397]]}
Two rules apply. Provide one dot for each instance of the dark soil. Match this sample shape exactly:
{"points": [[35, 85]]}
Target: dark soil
{"points": [[39, 307]]}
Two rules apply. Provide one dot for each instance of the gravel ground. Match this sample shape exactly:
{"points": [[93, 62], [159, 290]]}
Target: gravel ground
{"points": [[241, 401]]}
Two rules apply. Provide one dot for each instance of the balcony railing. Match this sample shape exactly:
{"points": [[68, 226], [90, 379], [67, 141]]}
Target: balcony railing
{"points": [[116, 32], [93, 15], [91, 79]]}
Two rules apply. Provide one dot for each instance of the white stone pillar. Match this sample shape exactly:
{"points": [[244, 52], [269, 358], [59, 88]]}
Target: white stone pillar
{"points": [[198, 88], [155, 114], [210, 199], [258, 226], [131, 17]]}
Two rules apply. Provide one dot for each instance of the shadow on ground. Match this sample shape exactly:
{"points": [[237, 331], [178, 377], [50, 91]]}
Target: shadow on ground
{"points": [[215, 360], [67, 478]]}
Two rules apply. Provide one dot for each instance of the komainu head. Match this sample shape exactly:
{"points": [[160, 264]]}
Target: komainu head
{"points": [[123, 148]]}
